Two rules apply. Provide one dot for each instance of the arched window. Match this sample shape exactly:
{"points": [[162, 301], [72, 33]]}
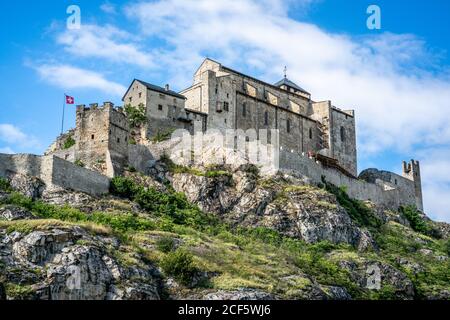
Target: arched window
{"points": [[310, 133], [244, 109], [288, 125], [342, 134], [266, 118]]}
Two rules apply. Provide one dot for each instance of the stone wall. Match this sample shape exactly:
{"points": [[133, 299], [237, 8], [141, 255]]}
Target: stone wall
{"points": [[55, 172]]}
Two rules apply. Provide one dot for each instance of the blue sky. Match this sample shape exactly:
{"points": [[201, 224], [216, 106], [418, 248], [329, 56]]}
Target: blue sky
{"points": [[397, 78]]}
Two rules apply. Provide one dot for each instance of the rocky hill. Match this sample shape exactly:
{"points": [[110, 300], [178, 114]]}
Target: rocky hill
{"points": [[214, 233]]}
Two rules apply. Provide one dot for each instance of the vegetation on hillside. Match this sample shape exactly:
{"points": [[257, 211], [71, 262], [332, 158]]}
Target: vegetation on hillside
{"points": [[187, 240]]}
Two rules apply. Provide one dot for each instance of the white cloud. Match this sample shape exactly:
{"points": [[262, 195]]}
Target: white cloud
{"points": [[105, 42], [12, 135], [69, 77], [393, 81], [108, 7]]}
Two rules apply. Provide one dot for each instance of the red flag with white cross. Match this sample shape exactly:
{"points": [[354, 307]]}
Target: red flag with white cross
{"points": [[70, 100]]}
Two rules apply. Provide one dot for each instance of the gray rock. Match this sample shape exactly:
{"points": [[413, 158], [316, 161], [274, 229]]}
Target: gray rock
{"points": [[242, 294], [12, 213], [29, 186]]}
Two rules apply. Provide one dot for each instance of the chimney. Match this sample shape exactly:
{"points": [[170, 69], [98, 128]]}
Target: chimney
{"points": [[167, 87]]}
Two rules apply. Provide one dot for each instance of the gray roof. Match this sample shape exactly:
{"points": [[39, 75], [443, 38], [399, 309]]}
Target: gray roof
{"points": [[289, 83], [157, 89], [161, 89]]}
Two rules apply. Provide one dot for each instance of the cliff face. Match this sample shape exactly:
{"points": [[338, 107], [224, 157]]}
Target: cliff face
{"points": [[212, 233]]}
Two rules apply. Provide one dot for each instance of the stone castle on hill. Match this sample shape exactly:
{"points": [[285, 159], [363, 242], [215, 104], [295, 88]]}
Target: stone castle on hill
{"points": [[316, 140]]}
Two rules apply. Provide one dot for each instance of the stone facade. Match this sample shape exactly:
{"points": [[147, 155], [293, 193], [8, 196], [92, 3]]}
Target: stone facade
{"points": [[235, 101]]}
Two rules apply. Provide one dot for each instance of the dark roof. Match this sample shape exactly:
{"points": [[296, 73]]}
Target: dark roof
{"points": [[289, 83], [157, 89]]}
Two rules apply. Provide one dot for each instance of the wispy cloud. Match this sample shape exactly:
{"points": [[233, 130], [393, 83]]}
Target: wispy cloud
{"points": [[69, 77], [108, 7], [13, 136], [106, 42]]}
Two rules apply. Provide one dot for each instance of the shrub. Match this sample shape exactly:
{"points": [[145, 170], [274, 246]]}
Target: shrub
{"points": [[357, 210], [180, 265], [79, 163], [162, 135], [123, 187], [136, 115], [165, 244], [5, 185], [418, 223], [70, 142]]}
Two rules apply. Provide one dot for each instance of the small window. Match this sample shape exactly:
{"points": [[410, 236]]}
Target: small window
{"points": [[266, 118], [140, 94], [228, 95], [92, 137], [160, 107], [130, 99], [217, 89], [244, 109], [310, 133], [225, 120], [288, 126], [118, 140], [226, 106], [396, 182], [126, 139], [342, 134]]}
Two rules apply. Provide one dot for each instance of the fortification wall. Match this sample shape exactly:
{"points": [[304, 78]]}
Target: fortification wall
{"points": [[380, 192], [55, 172]]}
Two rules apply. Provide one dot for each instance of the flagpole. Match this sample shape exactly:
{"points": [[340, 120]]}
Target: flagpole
{"points": [[62, 121]]}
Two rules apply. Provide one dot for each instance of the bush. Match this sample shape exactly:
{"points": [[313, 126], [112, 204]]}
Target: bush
{"points": [[180, 265], [5, 185], [357, 210], [79, 163], [123, 187], [70, 142], [162, 135], [418, 223], [136, 115], [165, 244]]}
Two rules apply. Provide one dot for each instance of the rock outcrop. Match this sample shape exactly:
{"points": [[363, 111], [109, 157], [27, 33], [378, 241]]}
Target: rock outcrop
{"points": [[69, 263]]}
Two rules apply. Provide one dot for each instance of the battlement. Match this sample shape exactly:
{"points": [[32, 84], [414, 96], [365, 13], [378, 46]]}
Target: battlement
{"points": [[107, 106]]}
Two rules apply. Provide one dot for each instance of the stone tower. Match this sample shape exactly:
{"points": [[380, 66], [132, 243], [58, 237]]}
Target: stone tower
{"points": [[102, 138], [411, 171]]}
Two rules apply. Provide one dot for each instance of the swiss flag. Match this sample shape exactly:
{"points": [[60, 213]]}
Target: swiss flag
{"points": [[70, 100]]}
